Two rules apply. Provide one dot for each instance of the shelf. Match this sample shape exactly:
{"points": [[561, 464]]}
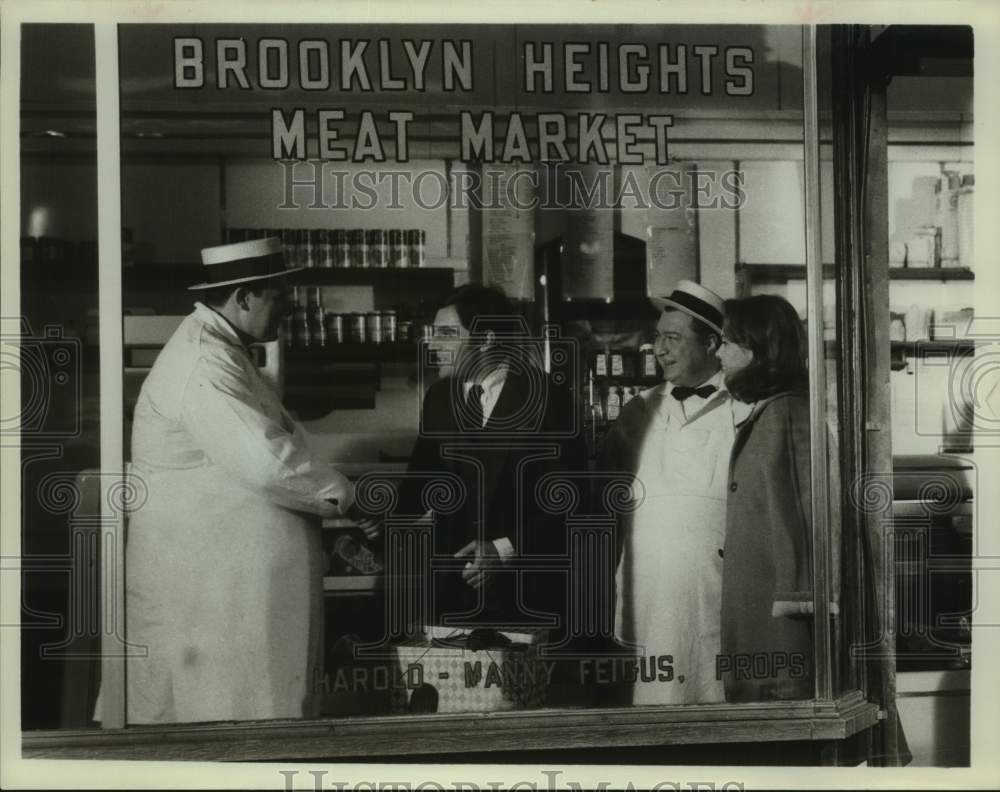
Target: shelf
{"points": [[627, 381], [931, 273], [179, 276], [353, 583], [404, 278], [400, 352], [957, 346], [782, 273]]}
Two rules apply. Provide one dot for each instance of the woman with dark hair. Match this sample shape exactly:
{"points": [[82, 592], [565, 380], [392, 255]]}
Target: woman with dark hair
{"points": [[766, 577]]}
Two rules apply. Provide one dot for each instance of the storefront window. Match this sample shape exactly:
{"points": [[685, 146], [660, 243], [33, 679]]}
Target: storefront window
{"points": [[356, 493], [613, 165]]}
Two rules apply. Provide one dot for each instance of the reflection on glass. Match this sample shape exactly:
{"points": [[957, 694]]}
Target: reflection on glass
{"points": [[504, 577], [60, 385]]}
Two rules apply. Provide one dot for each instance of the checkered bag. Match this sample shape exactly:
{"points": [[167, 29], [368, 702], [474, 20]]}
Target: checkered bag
{"points": [[465, 673]]}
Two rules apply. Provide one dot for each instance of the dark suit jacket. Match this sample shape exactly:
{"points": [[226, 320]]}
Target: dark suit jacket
{"points": [[532, 431]]}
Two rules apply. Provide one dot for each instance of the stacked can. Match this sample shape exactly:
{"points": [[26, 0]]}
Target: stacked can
{"points": [[340, 248], [377, 249], [300, 322], [322, 249], [305, 248], [415, 239], [288, 322], [317, 321], [373, 327], [358, 250], [389, 327], [356, 328], [287, 237], [397, 249]]}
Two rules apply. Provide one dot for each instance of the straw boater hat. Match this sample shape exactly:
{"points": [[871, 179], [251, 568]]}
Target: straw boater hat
{"points": [[703, 304], [242, 262]]}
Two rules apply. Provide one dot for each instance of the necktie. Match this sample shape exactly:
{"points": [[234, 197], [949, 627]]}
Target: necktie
{"points": [[681, 392], [473, 413]]}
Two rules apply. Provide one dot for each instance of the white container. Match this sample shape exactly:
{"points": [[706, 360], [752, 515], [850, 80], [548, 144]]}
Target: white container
{"points": [[946, 192], [966, 226], [918, 323]]}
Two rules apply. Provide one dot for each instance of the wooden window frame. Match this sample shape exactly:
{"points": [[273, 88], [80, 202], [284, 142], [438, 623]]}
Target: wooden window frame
{"points": [[825, 718]]}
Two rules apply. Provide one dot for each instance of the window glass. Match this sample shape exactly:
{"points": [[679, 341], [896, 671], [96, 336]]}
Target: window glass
{"points": [[596, 494], [60, 387]]}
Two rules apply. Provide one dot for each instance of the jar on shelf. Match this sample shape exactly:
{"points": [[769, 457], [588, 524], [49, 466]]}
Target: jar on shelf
{"points": [[404, 331], [614, 403], [617, 364], [601, 363], [647, 361]]}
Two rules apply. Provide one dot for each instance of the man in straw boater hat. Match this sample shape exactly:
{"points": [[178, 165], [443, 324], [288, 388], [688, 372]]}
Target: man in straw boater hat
{"points": [[223, 560], [676, 439]]}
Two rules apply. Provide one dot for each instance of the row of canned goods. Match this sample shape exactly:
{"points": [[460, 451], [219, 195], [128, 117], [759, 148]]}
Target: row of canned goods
{"points": [[343, 248], [374, 327]]}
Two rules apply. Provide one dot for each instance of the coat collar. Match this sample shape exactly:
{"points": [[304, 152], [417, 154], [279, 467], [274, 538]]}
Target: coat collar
{"points": [[753, 412], [219, 325], [756, 408]]}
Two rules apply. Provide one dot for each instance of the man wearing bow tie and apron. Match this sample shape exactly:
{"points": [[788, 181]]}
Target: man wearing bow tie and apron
{"points": [[676, 439]]}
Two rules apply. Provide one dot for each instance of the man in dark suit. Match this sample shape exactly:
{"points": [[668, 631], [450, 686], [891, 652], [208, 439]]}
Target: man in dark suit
{"points": [[492, 426]]}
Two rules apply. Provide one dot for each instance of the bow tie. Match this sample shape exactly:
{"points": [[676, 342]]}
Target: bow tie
{"points": [[681, 392]]}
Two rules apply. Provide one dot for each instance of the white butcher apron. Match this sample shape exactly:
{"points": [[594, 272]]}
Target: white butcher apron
{"points": [[669, 580], [223, 559]]}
